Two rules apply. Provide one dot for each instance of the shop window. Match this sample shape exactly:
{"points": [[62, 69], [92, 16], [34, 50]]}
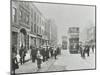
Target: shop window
{"points": [[14, 38]]}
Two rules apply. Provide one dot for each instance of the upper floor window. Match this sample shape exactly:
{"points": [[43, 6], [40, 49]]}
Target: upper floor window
{"points": [[14, 14], [37, 19], [20, 15], [34, 17], [27, 19]]}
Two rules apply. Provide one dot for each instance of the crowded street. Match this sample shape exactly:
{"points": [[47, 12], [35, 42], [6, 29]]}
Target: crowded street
{"points": [[63, 62], [43, 40]]}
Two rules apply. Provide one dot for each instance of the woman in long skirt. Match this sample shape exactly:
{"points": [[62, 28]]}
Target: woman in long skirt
{"points": [[39, 59]]}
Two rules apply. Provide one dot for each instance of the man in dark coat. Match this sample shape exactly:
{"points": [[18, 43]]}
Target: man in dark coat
{"points": [[81, 51], [93, 48], [51, 51], [84, 51], [88, 50], [33, 54], [55, 53], [58, 51], [43, 53], [22, 54], [47, 53]]}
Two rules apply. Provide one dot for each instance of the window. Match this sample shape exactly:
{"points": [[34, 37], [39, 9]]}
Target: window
{"points": [[27, 19], [20, 15], [40, 30], [31, 27], [37, 19], [35, 28], [14, 14], [34, 17]]}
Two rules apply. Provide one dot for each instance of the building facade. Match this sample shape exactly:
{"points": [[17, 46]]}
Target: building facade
{"points": [[28, 26], [20, 25]]}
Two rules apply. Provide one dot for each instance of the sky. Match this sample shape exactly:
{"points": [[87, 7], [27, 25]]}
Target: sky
{"points": [[66, 16]]}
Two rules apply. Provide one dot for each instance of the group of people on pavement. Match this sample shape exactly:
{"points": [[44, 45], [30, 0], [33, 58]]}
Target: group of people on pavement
{"points": [[14, 58], [43, 53], [22, 54], [14, 61], [39, 54], [85, 50]]}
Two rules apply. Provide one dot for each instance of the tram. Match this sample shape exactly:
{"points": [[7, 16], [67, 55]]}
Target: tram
{"points": [[64, 45], [74, 45]]}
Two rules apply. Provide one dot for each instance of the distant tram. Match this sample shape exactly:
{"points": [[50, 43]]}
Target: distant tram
{"points": [[64, 45]]}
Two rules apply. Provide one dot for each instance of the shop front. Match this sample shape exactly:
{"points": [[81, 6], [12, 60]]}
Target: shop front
{"points": [[39, 40], [32, 40]]}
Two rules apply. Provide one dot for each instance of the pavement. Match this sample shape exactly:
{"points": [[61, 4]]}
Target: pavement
{"points": [[65, 61], [30, 67]]}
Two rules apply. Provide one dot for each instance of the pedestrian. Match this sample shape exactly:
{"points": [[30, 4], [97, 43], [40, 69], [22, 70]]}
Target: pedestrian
{"points": [[39, 59], [93, 48], [81, 52], [88, 50], [58, 51], [47, 53], [51, 51], [14, 64], [55, 53], [43, 53], [33, 54], [22, 55]]}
